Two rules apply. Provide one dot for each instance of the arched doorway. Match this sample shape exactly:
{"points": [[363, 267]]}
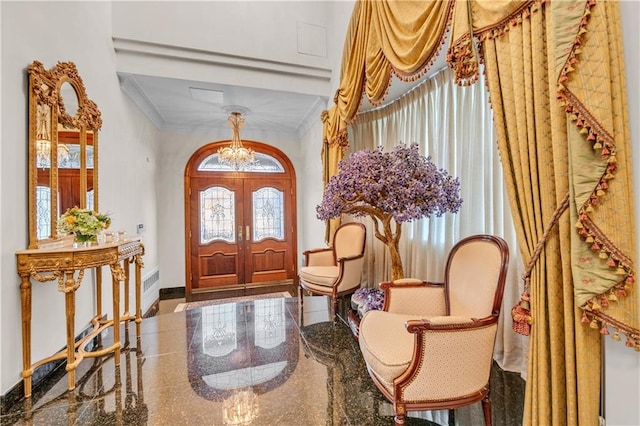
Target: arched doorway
{"points": [[240, 226]]}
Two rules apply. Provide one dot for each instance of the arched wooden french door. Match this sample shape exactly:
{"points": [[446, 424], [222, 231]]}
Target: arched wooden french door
{"points": [[240, 226]]}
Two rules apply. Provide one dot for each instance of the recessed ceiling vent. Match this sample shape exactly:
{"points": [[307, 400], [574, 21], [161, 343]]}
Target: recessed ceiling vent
{"points": [[206, 95]]}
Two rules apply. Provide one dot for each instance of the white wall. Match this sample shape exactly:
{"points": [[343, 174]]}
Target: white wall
{"points": [[229, 39], [622, 364], [78, 32], [257, 29], [311, 195]]}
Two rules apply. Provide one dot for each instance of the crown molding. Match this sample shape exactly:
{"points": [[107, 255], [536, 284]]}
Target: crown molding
{"points": [[141, 57], [312, 118], [131, 88]]}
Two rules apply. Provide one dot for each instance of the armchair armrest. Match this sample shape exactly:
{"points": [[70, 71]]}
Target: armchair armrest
{"points": [[448, 323], [319, 257], [414, 297], [459, 352], [348, 258]]}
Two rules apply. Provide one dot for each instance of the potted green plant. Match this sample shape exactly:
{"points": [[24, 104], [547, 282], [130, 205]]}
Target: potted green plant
{"points": [[84, 224]]}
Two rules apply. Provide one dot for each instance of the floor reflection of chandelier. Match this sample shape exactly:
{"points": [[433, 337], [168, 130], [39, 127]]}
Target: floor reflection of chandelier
{"points": [[236, 155], [241, 408]]}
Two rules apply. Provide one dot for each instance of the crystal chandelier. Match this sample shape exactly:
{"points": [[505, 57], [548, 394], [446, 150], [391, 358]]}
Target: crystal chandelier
{"points": [[236, 155], [43, 141]]}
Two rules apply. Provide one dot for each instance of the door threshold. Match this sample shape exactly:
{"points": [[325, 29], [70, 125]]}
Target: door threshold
{"points": [[241, 290]]}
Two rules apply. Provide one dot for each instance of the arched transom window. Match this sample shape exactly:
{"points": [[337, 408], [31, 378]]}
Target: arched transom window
{"points": [[264, 164]]}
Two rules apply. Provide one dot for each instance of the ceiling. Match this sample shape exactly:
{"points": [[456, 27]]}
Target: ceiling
{"points": [[196, 106], [176, 105]]}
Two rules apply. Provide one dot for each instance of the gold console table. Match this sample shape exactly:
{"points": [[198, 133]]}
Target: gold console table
{"points": [[67, 265]]}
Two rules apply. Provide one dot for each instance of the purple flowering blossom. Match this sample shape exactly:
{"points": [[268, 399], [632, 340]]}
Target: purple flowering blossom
{"points": [[375, 301], [367, 299], [402, 185]]}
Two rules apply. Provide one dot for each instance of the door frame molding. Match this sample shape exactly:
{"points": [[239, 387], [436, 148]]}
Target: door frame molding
{"points": [[191, 171]]}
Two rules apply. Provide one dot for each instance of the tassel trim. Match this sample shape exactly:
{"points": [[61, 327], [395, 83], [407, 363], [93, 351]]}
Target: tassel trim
{"points": [[601, 141], [605, 323], [521, 315], [341, 139], [463, 61], [460, 56]]}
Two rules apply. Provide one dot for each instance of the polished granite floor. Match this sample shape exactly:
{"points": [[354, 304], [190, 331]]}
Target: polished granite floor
{"points": [[252, 362]]}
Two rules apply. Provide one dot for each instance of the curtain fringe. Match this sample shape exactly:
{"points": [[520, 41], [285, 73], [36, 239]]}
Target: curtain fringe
{"points": [[602, 140]]}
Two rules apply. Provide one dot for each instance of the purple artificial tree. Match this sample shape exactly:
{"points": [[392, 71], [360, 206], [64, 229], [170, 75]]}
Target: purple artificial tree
{"points": [[392, 188]]}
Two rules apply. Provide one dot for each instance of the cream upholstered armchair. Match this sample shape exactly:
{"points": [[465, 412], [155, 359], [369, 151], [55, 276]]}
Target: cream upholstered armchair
{"points": [[431, 347], [335, 271]]}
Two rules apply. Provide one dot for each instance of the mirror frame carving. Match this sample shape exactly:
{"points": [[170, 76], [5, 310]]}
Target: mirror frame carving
{"points": [[44, 91]]}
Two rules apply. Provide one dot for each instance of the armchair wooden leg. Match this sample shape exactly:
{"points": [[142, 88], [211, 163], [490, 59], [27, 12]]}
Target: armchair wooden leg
{"points": [[486, 408], [335, 308], [400, 410], [452, 417], [301, 296]]}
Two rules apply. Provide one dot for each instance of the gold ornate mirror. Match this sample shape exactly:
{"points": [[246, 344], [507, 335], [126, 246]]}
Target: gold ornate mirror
{"points": [[63, 148]]}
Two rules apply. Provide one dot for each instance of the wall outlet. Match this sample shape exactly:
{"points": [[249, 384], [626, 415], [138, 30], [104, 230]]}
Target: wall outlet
{"points": [[140, 228]]}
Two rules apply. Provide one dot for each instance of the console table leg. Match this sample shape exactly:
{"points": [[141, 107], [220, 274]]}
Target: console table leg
{"points": [[99, 292], [70, 307], [138, 294], [25, 294], [125, 267], [116, 319]]}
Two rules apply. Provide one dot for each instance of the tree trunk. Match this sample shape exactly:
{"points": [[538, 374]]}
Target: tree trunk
{"points": [[397, 271]]}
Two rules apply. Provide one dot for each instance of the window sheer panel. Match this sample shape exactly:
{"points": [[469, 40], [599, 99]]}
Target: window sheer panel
{"points": [[454, 126]]}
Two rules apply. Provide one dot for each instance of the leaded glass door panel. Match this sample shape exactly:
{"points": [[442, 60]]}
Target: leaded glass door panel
{"points": [[241, 233], [269, 254], [216, 233]]}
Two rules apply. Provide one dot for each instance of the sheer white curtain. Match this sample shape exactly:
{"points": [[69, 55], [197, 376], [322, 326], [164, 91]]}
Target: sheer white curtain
{"points": [[454, 126]]}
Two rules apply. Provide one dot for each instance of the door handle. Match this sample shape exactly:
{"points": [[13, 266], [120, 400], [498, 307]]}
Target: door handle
{"points": [[239, 233], [247, 235]]}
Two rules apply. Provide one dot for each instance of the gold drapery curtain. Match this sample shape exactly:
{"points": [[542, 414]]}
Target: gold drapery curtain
{"points": [[555, 72], [383, 38], [583, 61], [333, 148], [532, 139], [556, 80]]}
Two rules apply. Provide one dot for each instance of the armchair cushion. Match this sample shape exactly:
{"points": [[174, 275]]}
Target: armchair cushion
{"points": [[385, 343], [318, 289], [319, 275]]}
